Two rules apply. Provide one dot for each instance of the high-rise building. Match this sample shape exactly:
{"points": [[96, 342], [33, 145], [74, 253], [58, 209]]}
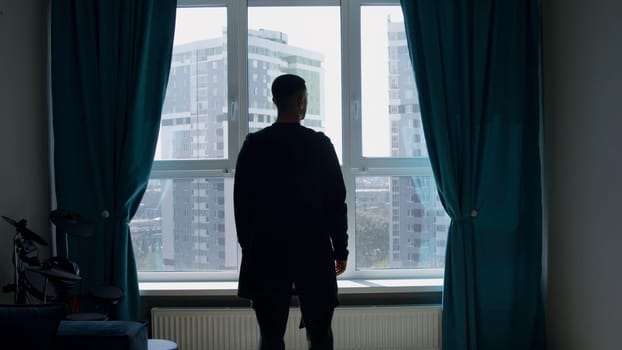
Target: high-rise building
{"points": [[188, 223], [269, 55], [418, 222]]}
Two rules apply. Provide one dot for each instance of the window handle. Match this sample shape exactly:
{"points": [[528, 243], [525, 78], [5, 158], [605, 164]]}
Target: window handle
{"points": [[355, 106], [234, 110]]}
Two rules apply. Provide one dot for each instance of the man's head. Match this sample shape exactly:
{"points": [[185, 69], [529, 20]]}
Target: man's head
{"points": [[289, 94]]}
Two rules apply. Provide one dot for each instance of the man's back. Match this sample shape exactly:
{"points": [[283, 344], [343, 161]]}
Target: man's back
{"points": [[290, 211]]}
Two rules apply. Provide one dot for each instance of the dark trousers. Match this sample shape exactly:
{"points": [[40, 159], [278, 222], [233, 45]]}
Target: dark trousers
{"points": [[272, 313]]}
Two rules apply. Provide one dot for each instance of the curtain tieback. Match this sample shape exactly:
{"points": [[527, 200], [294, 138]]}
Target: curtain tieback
{"points": [[473, 215], [106, 215]]}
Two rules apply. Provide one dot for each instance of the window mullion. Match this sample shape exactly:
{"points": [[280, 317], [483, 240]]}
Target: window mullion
{"points": [[352, 93], [237, 39], [351, 120]]}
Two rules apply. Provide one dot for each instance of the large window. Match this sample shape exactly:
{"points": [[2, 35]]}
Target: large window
{"points": [[362, 94]]}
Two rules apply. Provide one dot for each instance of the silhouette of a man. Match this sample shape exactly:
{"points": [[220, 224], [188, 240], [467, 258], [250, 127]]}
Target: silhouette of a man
{"points": [[291, 219]]}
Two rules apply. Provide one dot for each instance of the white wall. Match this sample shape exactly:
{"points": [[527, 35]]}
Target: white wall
{"points": [[24, 180], [583, 150]]}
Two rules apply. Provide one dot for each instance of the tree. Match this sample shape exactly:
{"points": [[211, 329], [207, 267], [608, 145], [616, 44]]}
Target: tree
{"points": [[372, 240]]}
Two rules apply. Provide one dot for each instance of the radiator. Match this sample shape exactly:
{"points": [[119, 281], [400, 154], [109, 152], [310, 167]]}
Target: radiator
{"points": [[355, 328]]}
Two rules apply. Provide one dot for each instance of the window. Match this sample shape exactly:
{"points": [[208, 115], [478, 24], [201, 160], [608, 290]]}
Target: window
{"points": [[287, 39], [225, 57]]}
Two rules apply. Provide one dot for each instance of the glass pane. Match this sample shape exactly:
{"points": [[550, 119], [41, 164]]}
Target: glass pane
{"points": [[289, 40], [186, 224], [194, 116], [400, 223], [391, 119]]}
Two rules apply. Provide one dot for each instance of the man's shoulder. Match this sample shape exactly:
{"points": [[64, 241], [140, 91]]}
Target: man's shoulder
{"points": [[314, 133], [257, 134], [260, 136], [275, 135], [270, 130]]}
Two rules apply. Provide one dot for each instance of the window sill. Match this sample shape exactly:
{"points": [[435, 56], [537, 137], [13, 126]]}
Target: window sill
{"points": [[362, 286]]}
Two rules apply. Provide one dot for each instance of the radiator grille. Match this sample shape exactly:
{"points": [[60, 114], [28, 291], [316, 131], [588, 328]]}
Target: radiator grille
{"points": [[354, 328]]}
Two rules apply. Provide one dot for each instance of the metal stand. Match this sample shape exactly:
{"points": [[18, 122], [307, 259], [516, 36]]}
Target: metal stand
{"points": [[16, 272]]}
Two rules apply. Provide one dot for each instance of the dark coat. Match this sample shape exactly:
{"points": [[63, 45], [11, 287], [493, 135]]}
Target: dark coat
{"points": [[290, 212]]}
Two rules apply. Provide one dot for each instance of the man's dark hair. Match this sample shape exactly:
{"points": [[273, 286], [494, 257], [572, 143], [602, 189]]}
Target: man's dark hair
{"points": [[286, 86]]}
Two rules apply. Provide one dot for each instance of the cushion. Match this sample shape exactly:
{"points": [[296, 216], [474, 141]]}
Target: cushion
{"points": [[96, 335], [31, 327]]}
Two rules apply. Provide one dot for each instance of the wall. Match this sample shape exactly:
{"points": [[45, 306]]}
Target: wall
{"points": [[583, 160], [24, 180]]}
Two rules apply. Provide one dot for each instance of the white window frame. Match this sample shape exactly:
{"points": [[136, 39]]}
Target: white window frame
{"points": [[353, 162]]}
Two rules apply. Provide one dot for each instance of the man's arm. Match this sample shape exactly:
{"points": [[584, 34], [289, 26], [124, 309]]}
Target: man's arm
{"points": [[242, 193], [335, 202]]}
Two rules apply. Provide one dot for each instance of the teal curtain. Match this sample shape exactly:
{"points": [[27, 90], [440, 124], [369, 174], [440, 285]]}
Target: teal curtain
{"points": [[476, 66], [110, 65]]}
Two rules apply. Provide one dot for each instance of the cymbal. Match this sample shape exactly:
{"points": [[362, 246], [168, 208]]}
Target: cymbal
{"points": [[55, 273], [71, 223], [24, 231]]}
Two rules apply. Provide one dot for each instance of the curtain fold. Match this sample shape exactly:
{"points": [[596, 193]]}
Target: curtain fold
{"points": [[110, 66], [476, 66]]}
